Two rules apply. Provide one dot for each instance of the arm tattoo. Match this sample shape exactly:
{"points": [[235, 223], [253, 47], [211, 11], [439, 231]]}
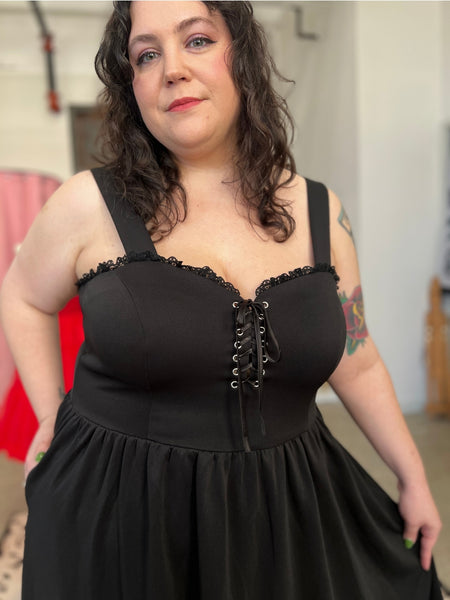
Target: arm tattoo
{"points": [[344, 222], [62, 393], [353, 308]]}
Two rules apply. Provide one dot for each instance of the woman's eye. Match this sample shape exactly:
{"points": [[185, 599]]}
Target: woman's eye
{"points": [[200, 42], [150, 55], [146, 57]]}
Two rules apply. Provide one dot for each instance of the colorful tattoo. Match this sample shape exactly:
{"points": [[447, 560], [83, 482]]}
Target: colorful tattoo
{"points": [[344, 221], [353, 308]]}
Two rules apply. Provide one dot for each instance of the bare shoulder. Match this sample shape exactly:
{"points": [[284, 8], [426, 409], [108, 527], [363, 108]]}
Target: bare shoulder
{"points": [[76, 198], [295, 194], [341, 236], [336, 207], [296, 186], [343, 251], [72, 216], [43, 272]]}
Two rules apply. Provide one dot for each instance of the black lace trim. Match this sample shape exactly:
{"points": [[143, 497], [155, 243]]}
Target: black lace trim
{"points": [[205, 272], [110, 265], [300, 272], [132, 256]]}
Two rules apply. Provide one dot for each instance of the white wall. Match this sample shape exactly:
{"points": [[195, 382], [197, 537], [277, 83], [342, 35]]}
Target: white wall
{"points": [[445, 33], [323, 99], [399, 79], [31, 137]]}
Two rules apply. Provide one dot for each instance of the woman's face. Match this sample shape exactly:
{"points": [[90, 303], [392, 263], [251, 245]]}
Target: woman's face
{"points": [[178, 50]]}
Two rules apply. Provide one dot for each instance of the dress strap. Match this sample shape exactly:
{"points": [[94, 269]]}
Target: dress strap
{"points": [[319, 220], [130, 226]]}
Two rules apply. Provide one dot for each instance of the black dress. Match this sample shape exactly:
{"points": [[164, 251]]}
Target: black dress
{"points": [[190, 461]]}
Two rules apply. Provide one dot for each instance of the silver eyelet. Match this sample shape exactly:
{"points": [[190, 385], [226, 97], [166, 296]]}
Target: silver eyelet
{"points": [[239, 332], [235, 304], [265, 304], [261, 317], [237, 345], [265, 359], [235, 358], [235, 371], [262, 330], [255, 384], [264, 371], [234, 384]]}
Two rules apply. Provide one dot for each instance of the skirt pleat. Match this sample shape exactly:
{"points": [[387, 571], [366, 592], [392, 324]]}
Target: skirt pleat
{"points": [[117, 517]]}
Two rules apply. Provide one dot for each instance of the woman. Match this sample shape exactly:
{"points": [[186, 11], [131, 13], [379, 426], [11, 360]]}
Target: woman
{"points": [[189, 459]]}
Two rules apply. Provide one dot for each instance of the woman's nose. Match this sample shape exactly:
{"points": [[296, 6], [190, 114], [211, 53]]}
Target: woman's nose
{"points": [[175, 68]]}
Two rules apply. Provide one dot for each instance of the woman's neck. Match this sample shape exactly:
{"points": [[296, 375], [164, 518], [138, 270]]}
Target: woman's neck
{"points": [[206, 176]]}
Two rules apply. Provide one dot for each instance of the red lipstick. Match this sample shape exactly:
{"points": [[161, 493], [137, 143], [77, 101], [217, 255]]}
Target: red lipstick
{"points": [[184, 103]]}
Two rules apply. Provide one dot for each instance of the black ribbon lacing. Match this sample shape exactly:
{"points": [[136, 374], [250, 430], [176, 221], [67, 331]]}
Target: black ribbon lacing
{"points": [[255, 345]]}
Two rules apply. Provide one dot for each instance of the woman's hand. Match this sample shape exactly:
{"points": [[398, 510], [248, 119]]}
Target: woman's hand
{"points": [[40, 443], [419, 513]]}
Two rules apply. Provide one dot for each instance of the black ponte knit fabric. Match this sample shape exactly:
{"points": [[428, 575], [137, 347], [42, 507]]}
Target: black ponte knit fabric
{"points": [[190, 461]]}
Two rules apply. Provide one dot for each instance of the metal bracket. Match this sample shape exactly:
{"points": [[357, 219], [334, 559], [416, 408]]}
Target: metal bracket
{"points": [[299, 26], [47, 39]]}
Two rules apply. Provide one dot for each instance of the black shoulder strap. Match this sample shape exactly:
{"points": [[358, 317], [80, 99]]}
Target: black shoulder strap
{"points": [[319, 220], [130, 226]]}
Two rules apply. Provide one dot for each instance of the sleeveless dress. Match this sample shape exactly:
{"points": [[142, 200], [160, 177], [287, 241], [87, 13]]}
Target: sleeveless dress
{"points": [[190, 461]]}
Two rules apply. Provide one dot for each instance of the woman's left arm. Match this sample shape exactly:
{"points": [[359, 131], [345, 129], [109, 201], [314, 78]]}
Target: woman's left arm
{"points": [[364, 386]]}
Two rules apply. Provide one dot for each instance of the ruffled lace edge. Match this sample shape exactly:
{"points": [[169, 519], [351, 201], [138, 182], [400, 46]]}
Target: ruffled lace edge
{"points": [[206, 272], [299, 272], [132, 256]]}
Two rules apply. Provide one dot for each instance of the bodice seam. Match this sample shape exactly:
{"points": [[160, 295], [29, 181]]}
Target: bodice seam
{"points": [[296, 437], [142, 327]]}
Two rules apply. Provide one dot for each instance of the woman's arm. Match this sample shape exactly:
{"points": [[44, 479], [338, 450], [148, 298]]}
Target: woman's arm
{"points": [[38, 284], [365, 388]]}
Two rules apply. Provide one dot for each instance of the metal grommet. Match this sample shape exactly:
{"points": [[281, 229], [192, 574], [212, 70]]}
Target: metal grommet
{"points": [[237, 345], [265, 304], [262, 330], [265, 359], [239, 332], [234, 357], [264, 371], [261, 317], [235, 304], [234, 384], [255, 384], [235, 371]]}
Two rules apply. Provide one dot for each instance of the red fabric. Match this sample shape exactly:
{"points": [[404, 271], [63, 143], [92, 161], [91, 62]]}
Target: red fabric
{"points": [[18, 423]]}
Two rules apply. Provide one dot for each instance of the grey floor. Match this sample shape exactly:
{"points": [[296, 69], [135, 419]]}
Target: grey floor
{"points": [[432, 436]]}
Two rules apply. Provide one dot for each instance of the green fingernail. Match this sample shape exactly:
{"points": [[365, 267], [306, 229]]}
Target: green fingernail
{"points": [[39, 456], [408, 544]]}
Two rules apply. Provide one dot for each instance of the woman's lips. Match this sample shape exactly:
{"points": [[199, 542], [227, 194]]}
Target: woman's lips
{"points": [[184, 104]]}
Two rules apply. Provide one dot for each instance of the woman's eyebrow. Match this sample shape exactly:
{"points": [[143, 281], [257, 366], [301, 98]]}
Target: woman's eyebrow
{"points": [[151, 37]]}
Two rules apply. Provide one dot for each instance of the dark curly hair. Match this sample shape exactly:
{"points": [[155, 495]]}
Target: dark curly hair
{"points": [[146, 172]]}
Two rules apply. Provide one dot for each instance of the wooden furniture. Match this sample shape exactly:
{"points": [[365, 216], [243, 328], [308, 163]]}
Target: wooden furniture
{"points": [[438, 354]]}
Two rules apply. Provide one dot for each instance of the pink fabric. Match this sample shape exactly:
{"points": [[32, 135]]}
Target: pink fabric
{"points": [[22, 195]]}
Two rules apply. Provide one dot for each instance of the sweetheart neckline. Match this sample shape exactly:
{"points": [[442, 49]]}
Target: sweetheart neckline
{"points": [[205, 271]]}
